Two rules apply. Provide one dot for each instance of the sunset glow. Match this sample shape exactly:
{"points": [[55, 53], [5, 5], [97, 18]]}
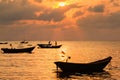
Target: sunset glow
{"points": [[60, 19], [62, 4]]}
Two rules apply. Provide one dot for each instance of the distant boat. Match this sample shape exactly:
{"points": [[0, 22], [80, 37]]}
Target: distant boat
{"points": [[17, 50], [96, 66], [3, 42], [48, 46], [25, 42]]}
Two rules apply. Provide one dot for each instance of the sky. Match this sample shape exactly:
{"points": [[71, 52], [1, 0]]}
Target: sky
{"points": [[59, 20]]}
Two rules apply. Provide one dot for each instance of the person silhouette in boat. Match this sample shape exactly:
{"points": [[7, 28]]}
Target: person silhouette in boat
{"points": [[49, 43], [55, 43], [11, 46]]}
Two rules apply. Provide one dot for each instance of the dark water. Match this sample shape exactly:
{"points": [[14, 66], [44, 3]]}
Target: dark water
{"points": [[39, 65]]}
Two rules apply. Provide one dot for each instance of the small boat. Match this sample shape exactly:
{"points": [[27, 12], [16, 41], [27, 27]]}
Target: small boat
{"points": [[48, 46], [18, 50], [96, 66], [3, 42], [25, 42]]}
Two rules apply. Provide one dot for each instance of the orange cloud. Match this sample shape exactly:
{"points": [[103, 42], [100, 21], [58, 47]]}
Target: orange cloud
{"points": [[71, 18]]}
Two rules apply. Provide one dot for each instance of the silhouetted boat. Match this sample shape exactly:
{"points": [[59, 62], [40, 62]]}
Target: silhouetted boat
{"points": [[3, 42], [17, 50], [96, 66], [48, 46], [25, 42]]}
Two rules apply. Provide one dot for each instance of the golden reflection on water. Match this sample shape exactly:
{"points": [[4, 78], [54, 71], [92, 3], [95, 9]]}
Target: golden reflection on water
{"points": [[40, 64], [81, 53]]}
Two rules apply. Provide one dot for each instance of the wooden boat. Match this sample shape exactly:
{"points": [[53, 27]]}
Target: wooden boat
{"points": [[96, 66], [25, 42], [48, 46], [3, 42], [18, 50]]}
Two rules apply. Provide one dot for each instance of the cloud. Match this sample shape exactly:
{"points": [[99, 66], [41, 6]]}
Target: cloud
{"points": [[13, 33], [78, 13], [101, 27], [115, 2], [52, 15], [98, 8], [28, 32], [100, 21], [39, 1], [56, 14], [33, 17], [15, 11], [12, 12]]}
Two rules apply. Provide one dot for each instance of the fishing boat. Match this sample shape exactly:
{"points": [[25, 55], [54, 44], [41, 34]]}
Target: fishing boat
{"points": [[48, 46], [95, 66], [3, 42], [25, 42], [17, 50]]}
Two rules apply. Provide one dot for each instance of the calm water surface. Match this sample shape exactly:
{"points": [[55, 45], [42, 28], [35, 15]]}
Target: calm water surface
{"points": [[39, 65]]}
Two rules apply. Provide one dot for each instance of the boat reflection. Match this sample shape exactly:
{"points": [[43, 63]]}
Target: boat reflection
{"points": [[87, 76]]}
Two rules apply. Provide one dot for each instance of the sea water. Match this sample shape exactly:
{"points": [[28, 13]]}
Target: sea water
{"points": [[39, 65]]}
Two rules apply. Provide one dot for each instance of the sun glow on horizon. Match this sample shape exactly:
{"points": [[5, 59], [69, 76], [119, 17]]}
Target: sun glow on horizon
{"points": [[61, 4]]}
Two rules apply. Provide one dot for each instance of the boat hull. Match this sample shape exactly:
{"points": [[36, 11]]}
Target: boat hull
{"points": [[14, 50], [96, 66], [48, 46], [3, 42]]}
